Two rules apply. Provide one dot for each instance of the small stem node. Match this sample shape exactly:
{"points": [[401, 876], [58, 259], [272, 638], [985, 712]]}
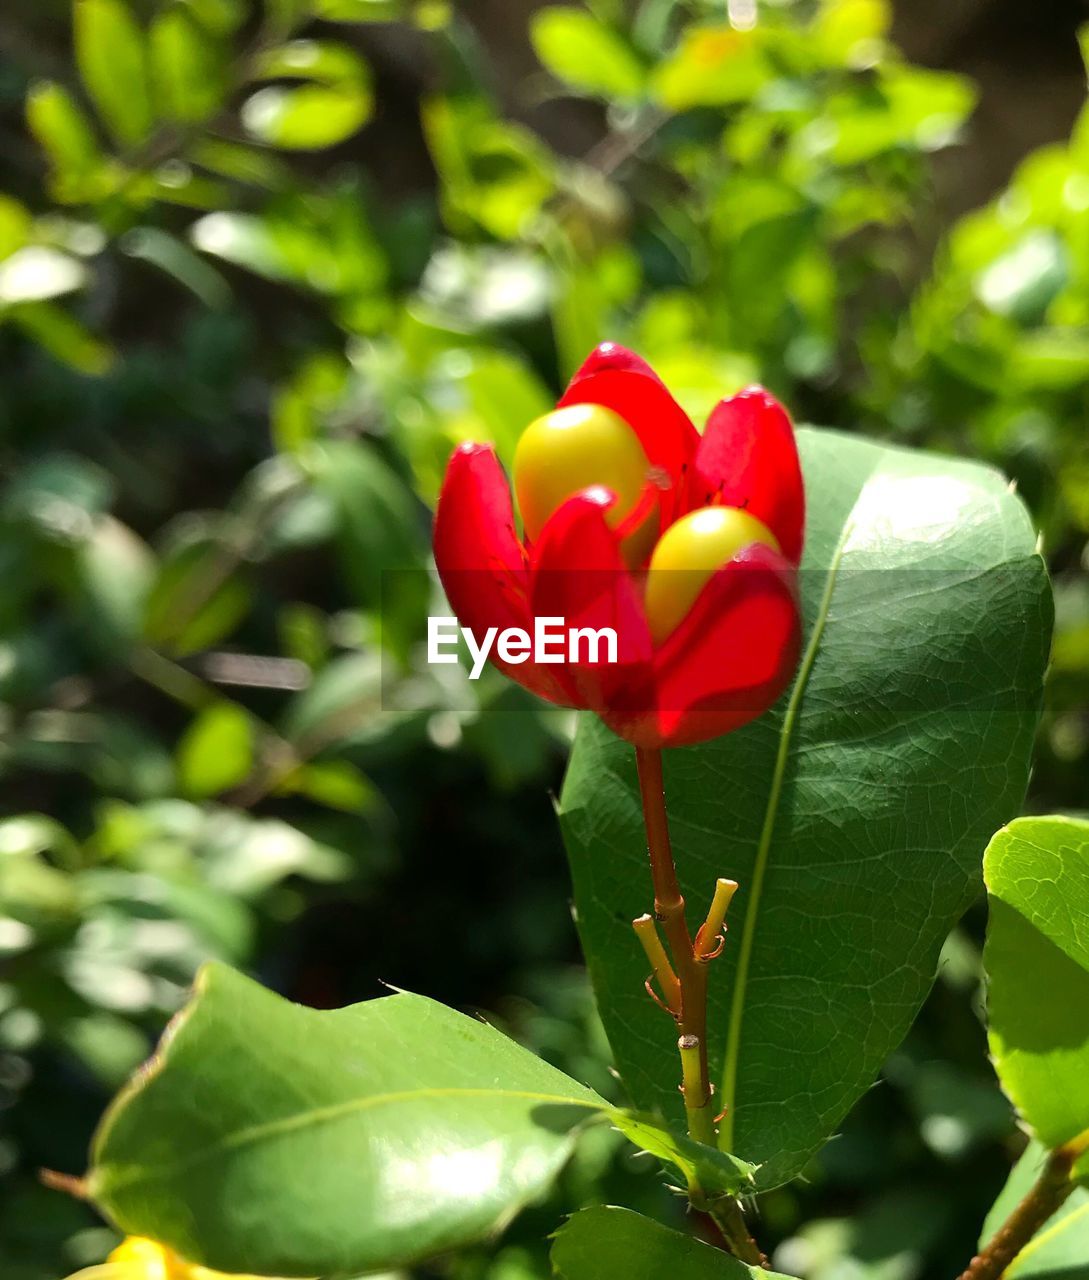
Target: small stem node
{"points": [[691, 1075]]}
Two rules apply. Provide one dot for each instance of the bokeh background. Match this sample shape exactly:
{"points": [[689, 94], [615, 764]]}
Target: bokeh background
{"points": [[260, 268]]}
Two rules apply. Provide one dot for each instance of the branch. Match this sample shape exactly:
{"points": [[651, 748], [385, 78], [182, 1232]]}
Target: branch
{"points": [[1046, 1196]]}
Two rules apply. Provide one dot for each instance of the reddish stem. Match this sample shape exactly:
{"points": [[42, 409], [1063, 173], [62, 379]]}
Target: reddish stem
{"points": [[691, 972]]}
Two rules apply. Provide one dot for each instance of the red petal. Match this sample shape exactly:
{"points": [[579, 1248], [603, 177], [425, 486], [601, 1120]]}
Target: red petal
{"points": [[620, 380], [748, 458], [730, 659], [480, 559], [579, 575]]}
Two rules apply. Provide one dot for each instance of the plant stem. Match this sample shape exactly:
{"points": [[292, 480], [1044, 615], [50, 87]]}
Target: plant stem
{"points": [[691, 972], [1046, 1196], [727, 1216], [691, 964]]}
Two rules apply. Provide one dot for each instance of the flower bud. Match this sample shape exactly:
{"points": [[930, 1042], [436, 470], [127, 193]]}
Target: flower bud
{"points": [[688, 554], [571, 449]]}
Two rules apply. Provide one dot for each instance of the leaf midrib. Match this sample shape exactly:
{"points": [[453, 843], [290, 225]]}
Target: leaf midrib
{"points": [[102, 1181], [763, 849]]}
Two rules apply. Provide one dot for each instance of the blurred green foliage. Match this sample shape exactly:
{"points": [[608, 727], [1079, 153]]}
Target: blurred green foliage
{"points": [[239, 339]]}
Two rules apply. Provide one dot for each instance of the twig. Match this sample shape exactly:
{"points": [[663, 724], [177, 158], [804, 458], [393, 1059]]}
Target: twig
{"points": [[1047, 1195]]}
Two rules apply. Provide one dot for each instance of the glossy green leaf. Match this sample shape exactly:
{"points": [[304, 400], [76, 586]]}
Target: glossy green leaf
{"points": [[381, 534], [115, 570], [493, 173], [187, 68], [216, 751], [309, 117], [1022, 282], [284, 16], [915, 109], [1061, 1246], [607, 1241], [715, 1172], [248, 164], [177, 260], [61, 334], [712, 66], [584, 53], [360, 10], [38, 272], [851, 31], [337, 784], [112, 57], [305, 1143], [65, 135], [853, 815], [16, 225], [197, 599], [322, 61], [220, 17], [1037, 963]]}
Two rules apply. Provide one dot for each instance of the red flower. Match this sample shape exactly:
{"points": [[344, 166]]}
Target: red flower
{"points": [[698, 653]]}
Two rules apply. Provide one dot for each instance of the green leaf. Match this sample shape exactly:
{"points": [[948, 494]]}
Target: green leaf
{"points": [[337, 784], [64, 133], [853, 814], [115, 569], [37, 273], [306, 1143], [16, 226], [220, 17], [344, 697], [380, 534], [1061, 1245], [307, 118], [187, 68], [176, 259], [1023, 282], [713, 66], [198, 597], [1037, 962], [245, 163], [64, 337], [285, 15], [493, 174], [584, 53], [607, 1241], [360, 10], [851, 31], [112, 60], [322, 61], [715, 1172], [216, 752]]}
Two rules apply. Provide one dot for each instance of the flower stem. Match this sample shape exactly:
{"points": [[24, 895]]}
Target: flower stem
{"points": [[1046, 1196], [727, 1216], [684, 985], [690, 970]]}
